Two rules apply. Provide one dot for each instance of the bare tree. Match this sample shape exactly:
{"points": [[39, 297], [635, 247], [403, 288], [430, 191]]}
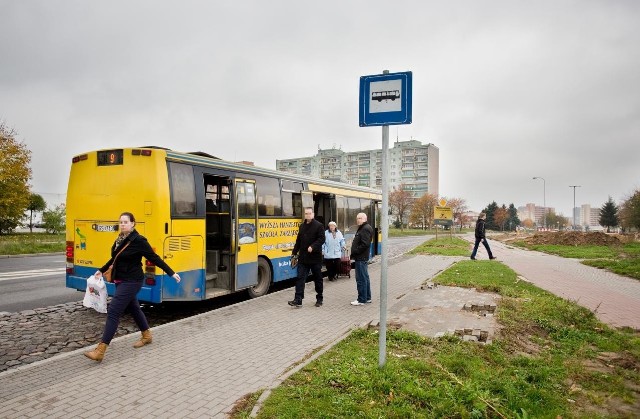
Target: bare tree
{"points": [[400, 201], [500, 216], [422, 210], [458, 207]]}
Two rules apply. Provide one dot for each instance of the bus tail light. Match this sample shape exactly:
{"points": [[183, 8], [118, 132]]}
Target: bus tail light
{"points": [[150, 273], [69, 254]]}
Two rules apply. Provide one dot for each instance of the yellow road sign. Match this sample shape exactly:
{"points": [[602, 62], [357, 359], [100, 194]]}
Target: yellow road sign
{"points": [[443, 202], [442, 213]]}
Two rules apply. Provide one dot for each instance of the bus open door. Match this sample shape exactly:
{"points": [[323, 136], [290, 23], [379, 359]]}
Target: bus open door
{"points": [[246, 234]]}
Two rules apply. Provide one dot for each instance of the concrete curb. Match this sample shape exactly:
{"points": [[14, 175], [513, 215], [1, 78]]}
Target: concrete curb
{"points": [[28, 255]]}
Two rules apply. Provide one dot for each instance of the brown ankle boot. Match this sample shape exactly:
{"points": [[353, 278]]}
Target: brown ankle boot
{"points": [[144, 340], [98, 353]]}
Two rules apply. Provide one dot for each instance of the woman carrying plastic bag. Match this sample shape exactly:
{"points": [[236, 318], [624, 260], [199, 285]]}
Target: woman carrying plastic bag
{"points": [[95, 296]]}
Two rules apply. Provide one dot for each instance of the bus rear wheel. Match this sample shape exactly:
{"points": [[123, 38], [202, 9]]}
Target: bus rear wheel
{"points": [[264, 279]]}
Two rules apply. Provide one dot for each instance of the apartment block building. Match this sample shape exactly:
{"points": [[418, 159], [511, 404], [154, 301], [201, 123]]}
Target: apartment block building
{"points": [[589, 217], [534, 213], [411, 163]]}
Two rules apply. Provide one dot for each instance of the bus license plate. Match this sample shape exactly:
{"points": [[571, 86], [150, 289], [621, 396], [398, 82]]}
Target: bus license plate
{"points": [[109, 228]]}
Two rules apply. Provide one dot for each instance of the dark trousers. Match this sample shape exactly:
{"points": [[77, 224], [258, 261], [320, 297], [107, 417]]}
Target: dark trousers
{"points": [[363, 283], [486, 246], [124, 300], [332, 267], [303, 273]]}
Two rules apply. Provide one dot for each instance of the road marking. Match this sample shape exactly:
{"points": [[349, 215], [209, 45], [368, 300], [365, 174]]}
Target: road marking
{"points": [[5, 276]]}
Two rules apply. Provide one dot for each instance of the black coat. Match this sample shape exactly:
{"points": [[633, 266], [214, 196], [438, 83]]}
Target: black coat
{"points": [[480, 229], [361, 245], [129, 262], [310, 234]]}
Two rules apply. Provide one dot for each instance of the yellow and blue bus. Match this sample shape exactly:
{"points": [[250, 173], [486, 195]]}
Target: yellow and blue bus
{"points": [[225, 227]]}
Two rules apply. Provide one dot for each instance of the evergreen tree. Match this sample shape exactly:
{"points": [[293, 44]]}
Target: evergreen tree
{"points": [[513, 221], [609, 215], [490, 211]]}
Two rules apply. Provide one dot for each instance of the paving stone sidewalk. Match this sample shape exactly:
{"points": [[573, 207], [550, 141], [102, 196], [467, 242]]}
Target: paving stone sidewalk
{"points": [[200, 366]]}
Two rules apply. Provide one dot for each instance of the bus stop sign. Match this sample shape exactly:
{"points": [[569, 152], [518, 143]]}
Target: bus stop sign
{"points": [[385, 99]]}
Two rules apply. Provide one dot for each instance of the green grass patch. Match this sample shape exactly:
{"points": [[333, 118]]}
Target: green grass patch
{"points": [[396, 232], [447, 246], [626, 267], [28, 243], [552, 358]]}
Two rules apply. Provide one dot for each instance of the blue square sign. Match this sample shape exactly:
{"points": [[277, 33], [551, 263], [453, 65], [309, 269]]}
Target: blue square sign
{"points": [[385, 99]]}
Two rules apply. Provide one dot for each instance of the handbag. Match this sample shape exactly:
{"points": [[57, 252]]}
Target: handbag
{"points": [[294, 261], [108, 274]]}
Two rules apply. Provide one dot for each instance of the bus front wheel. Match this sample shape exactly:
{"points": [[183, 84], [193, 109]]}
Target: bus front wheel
{"points": [[264, 279]]}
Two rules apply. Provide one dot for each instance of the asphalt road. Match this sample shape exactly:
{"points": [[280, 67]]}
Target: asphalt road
{"points": [[27, 283], [32, 282]]}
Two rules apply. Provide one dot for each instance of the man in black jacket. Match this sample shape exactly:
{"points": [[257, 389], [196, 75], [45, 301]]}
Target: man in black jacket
{"points": [[480, 237], [308, 247], [360, 251]]}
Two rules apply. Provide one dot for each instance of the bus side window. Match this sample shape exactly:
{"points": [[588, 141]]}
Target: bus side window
{"points": [[297, 205], [268, 196], [287, 204], [291, 198], [183, 192]]}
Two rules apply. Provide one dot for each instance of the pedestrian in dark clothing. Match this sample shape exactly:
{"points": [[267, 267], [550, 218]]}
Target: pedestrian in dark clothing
{"points": [[481, 237], [308, 247], [127, 250], [360, 250]]}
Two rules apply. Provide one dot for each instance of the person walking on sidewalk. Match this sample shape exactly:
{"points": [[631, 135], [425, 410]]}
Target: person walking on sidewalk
{"points": [[128, 250], [481, 237], [332, 249], [308, 247], [360, 250]]}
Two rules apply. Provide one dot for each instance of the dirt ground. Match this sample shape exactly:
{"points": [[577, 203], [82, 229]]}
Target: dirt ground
{"points": [[567, 238]]}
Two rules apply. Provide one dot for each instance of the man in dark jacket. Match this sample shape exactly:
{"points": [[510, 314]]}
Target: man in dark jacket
{"points": [[308, 247], [360, 250], [480, 237]]}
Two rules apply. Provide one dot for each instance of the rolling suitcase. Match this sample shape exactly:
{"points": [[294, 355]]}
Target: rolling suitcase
{"points": [[344, 268]]}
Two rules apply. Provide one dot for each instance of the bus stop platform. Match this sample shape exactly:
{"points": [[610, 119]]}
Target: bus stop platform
{"points": [[203, 365]]}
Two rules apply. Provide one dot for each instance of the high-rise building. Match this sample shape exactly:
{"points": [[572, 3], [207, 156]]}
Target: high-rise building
{"points": [[411, 163], [534, 213], [589, 217]]}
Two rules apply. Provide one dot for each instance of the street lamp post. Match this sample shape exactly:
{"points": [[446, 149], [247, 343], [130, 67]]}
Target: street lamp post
{"points": [[544, 201], [574, 204]]}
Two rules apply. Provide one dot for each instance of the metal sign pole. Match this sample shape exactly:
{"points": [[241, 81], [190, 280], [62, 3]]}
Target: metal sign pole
{"points": [[382, 338], [385, 99]]}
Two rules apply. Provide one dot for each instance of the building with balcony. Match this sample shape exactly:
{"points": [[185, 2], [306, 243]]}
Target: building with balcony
{"points": [[534, 213], [411, 163]]}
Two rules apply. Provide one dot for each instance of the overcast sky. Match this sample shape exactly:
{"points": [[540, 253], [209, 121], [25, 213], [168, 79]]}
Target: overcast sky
{"points": [[507, 90]]}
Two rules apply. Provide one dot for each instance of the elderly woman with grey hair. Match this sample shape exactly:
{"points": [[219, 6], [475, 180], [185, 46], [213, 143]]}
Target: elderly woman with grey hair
{"points": [[332, 249]]}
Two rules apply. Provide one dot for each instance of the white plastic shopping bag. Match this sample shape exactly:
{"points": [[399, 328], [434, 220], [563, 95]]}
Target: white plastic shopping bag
{"points": [[95, 296]]}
